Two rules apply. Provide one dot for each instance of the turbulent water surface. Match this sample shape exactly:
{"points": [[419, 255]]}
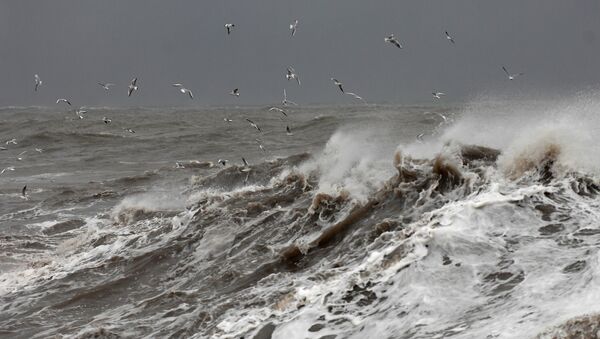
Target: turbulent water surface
{"points": [[486, 226]]}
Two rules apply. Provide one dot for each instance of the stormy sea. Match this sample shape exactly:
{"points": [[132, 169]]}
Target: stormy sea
{"points": [[479, 220]]}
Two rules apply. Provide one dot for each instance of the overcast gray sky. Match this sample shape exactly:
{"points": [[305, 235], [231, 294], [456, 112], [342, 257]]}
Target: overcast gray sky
{"points": [[74, 44]]}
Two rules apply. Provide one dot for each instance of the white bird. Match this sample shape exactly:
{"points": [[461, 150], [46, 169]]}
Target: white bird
{"points": [[12, 141], [253, 124], [392, 40], [449, 37], [129, 130], [338, 84], [291, 74], [246, 167], [278, 110], [440, 115], [106, 120], [63, 100], [38, 82], [285, 101], [19, 156], [229, 28], [39, 150], [288, 130], [511, 76], [227, 120], [3, 148], [260, 145], [11, 168], [184, 90], [438, 95], [420, 137], [106, 86], [235, 92], [223, 162], [132, 87], [356, 96], [178, 165], [293, 27]]}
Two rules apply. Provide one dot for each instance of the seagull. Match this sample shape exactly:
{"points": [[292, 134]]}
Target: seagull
{"points": [[132, 87], [288, 130], [229, 28], [3, 148], [438, 95], [19, 156], [356, 96], [253, 124], [106, 120], [511, 76], [293, 27], [106, 86], [260, 145], [449, 37], [392, 40], [291, 74], [227, 120], [278, 110], [12, 141], [178, 165], [129, 130], [338, 84], [235, 92], [24, 193], [440, 115], [80, 112], [39, 150], [286, 101], [420, 137], [223, 162], [38, 82], [246, 167], [63, 100], [11, 168], [184, 90]]}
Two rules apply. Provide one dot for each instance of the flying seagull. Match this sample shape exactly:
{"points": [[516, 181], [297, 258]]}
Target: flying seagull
{"points": [[278, 110], [132, 87], [12, 141], [246, 167], [356, 96], [63, 100], [80, 112], [19, 156], [293, 27], [24, 193], [253, 124], [223, 162], [511, 76], [38, 82], [392, 40], [260, 145], [285, 101], [449, 37], [338, 84], [11, 168], [288, 130], [235, 92], [39, 150], [129, 130], [106, 120], [229, 28], [438, 95], [291, 74], [106, 86], [227, 120], [184, 90]]}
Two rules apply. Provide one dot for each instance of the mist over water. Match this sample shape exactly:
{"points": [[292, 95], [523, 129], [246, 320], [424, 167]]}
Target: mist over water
{"points": [[484, 227]]}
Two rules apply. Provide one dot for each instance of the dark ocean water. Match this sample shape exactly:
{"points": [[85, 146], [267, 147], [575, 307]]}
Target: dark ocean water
{"points": [[351, 227]]}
